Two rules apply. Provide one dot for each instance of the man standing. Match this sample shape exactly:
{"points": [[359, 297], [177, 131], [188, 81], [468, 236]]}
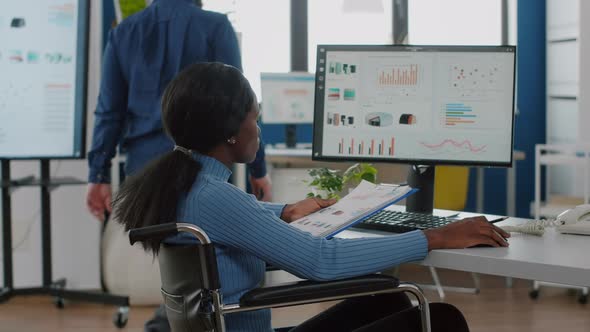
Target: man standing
{"points": [[142, 55]]}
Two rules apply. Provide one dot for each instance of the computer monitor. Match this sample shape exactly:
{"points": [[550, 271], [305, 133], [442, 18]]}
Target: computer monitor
{"points": [[422, 105], [287, 98]]}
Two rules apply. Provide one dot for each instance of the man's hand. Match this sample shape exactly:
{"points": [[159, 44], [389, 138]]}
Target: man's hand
{"points": [[466, 233], [261, 188], [98, 199], [292, 212]]}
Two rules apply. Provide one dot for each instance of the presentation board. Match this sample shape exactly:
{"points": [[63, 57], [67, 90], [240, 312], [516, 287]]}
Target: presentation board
{"points": [[43, 61]]}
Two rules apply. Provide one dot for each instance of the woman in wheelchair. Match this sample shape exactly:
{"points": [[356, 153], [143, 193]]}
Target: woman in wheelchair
{"points": [[210, 112]]}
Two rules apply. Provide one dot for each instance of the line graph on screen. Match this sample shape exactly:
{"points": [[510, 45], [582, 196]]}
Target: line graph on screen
{"points": [[453, 146]]}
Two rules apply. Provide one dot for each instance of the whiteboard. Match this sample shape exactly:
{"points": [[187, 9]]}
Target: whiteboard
{"points": [[43, 75]]}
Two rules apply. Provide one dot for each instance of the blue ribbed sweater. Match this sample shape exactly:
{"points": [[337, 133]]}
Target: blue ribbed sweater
{"points": [[247, 233]]}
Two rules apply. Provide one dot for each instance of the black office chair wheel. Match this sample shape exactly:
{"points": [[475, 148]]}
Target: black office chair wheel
{"points": [[534, 294], [583, 299], [121, 317], [59, 302]]}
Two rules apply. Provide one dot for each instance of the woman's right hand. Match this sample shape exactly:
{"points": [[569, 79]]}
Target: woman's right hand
{"points": [[466, 233], [292, 212]]}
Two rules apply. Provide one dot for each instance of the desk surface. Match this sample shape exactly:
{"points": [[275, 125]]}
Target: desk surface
{"points": [[553, 257], [287, 152]]}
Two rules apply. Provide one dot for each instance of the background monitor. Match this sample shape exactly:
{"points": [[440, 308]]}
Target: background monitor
{"points": [[288, 98], [415, 104], [43, 61]]}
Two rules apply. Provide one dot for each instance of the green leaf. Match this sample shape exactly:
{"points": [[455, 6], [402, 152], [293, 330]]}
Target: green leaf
{"points": [[327, 180], [357, 172]]}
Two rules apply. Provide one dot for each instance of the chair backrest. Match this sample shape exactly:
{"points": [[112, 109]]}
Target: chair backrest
{"points": [[190, 280], [187, 302]]}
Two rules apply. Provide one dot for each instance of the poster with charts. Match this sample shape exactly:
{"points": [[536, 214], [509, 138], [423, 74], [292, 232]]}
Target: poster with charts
{"points": [[42, 85], [366, 199]]}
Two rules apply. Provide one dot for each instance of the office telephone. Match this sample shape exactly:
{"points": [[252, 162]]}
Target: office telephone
{"points": [[572, 221], [575, 220]]}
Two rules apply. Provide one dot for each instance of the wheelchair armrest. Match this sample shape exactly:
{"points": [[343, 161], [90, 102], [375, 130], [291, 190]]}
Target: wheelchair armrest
{"points": [[153, 232], [270, 268], [312, 290]]}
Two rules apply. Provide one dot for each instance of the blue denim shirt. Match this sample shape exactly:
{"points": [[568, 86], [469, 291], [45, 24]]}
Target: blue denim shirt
{"points": [[142, 55]]}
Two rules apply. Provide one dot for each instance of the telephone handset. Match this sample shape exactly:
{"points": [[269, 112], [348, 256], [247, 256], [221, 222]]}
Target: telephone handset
{"points": [[575, 220], [572, 221]]}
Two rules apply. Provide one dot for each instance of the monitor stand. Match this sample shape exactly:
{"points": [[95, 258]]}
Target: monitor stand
{"points": [[290, 136], [422, 178]]}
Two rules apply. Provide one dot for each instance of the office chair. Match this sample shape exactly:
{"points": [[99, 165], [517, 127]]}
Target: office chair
{"points": [[191, 286]]}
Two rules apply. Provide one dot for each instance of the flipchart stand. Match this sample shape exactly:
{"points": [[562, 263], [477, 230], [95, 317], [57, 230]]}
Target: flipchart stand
{"points": [[49, 286]]}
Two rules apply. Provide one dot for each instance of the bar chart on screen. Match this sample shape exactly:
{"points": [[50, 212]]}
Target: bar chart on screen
{"points": [[398, 75], [396, 80], [62, 15], [456, 115], [367, 147], [471, 115]]}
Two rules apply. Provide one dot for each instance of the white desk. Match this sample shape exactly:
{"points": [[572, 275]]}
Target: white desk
{"points": [[553, 257], [285, 152]]}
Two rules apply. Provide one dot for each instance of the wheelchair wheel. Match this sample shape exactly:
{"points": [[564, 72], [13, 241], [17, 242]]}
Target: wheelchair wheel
{"points": [[121, 317], [59, 302]]}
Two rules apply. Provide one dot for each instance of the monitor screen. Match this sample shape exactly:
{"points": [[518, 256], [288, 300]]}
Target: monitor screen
{"points": [[43, 66], [287, 98], [415, 104]]}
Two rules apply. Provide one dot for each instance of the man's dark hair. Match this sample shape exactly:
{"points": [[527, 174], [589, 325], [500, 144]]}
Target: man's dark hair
{"points": [[199, 3], [201, 107]]}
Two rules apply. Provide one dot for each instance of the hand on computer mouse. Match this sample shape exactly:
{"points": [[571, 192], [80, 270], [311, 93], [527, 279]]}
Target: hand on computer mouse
{"points": [[466, 233], [481, 246]]}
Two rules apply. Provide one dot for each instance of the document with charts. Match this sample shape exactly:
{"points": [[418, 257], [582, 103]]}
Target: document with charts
{"points": [[366, 199]]}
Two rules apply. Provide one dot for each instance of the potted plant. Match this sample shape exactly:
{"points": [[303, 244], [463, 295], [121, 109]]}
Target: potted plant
{"points": [[329, 183]]}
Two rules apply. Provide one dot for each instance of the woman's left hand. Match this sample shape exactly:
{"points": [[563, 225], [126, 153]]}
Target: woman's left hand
{"points": [[292, 212]]}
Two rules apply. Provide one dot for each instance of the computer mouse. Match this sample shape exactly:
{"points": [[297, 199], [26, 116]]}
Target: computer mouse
{"points": [[482, 245]]}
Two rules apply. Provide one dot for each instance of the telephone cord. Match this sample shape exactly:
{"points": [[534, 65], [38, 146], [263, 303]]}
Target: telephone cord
{"points": [[536, 227]]}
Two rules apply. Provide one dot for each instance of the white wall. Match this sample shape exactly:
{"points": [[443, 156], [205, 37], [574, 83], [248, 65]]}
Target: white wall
{"points": [[584, 88], [75, 234]]}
